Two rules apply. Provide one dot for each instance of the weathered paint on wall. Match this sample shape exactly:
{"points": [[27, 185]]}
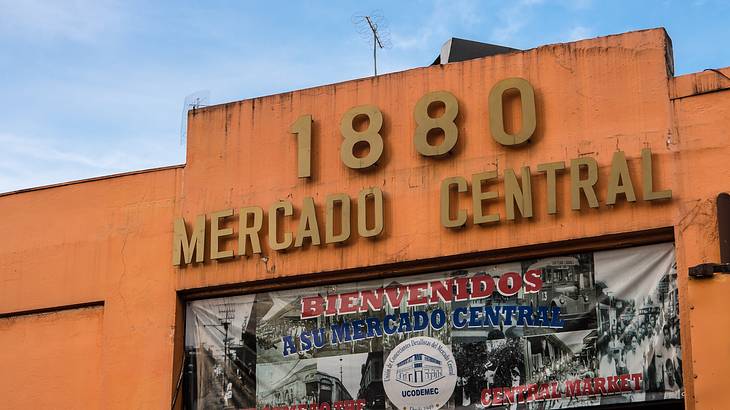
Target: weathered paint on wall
{"points": [[701, 113], [109, 239], [87, 242]]}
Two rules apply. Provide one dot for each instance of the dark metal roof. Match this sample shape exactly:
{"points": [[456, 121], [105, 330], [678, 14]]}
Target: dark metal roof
{"points": [[458, 49]]}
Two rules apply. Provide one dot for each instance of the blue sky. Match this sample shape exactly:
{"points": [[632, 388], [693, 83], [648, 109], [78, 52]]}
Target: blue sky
{"points": [[95, 87]]}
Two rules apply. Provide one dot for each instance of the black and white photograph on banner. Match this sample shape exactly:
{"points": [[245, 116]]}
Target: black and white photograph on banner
{"points": [[289, 383], [639, 319], [558, 357], [220, 349], [371, 383], [485, 365], [567, 283], [351, 371], [331, 380], [280, 316]]}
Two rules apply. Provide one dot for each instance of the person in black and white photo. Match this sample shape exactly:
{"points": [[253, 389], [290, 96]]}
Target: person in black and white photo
{"points": [[667, 378], [608, 363], [638, 307]]}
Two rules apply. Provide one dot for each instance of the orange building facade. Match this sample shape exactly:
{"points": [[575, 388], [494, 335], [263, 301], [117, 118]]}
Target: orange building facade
{"points": [[95, 274]]}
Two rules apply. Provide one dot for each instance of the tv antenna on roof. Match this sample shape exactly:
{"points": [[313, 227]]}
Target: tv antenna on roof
{"points": [[193, 101], [373, 28]]}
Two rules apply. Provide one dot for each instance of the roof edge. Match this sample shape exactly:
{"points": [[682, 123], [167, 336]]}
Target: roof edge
{"points": [[222, 105], [92, 179]]}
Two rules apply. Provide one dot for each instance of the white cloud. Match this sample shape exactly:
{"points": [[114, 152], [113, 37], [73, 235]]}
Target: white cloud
{"points": [[439, 24], [29, 162], [40, 150], [512, 19]]}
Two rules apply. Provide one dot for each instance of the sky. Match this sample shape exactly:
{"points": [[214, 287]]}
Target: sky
{"points": [[96, 87]]}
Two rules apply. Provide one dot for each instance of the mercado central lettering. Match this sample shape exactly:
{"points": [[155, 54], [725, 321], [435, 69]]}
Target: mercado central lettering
{"points": [[434, 114]]}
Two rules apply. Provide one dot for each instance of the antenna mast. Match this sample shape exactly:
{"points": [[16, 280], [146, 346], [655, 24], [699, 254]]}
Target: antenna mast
{"points": [[373, 28], [376, 43], [192, 102]]}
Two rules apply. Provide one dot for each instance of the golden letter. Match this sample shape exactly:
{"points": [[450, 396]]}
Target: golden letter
{"points": [[513, 194], [308, 227], [647, 175], [180, 241], [249, 232], [620, 175], [585, 185], [446, 185], [478, 197], [216, 233], [551, 169], [344, 234], [287, 210], [362, 224]]}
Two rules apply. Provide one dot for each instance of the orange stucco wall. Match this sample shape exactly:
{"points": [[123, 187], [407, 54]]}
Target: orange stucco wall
{"points": [[701, 111], [94, 241], [54, 360], [109, 239]]}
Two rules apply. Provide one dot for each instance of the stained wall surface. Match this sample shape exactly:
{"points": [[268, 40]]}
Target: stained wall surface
{"points": [[110, 239], [595, 97], [701, 111], [87, 242]]}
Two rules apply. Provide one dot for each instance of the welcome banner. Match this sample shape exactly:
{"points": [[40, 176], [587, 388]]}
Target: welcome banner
{"points": [[560, 332]]}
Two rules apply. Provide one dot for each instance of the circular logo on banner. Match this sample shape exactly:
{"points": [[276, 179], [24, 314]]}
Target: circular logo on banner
{"points": [[420, 373]]}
